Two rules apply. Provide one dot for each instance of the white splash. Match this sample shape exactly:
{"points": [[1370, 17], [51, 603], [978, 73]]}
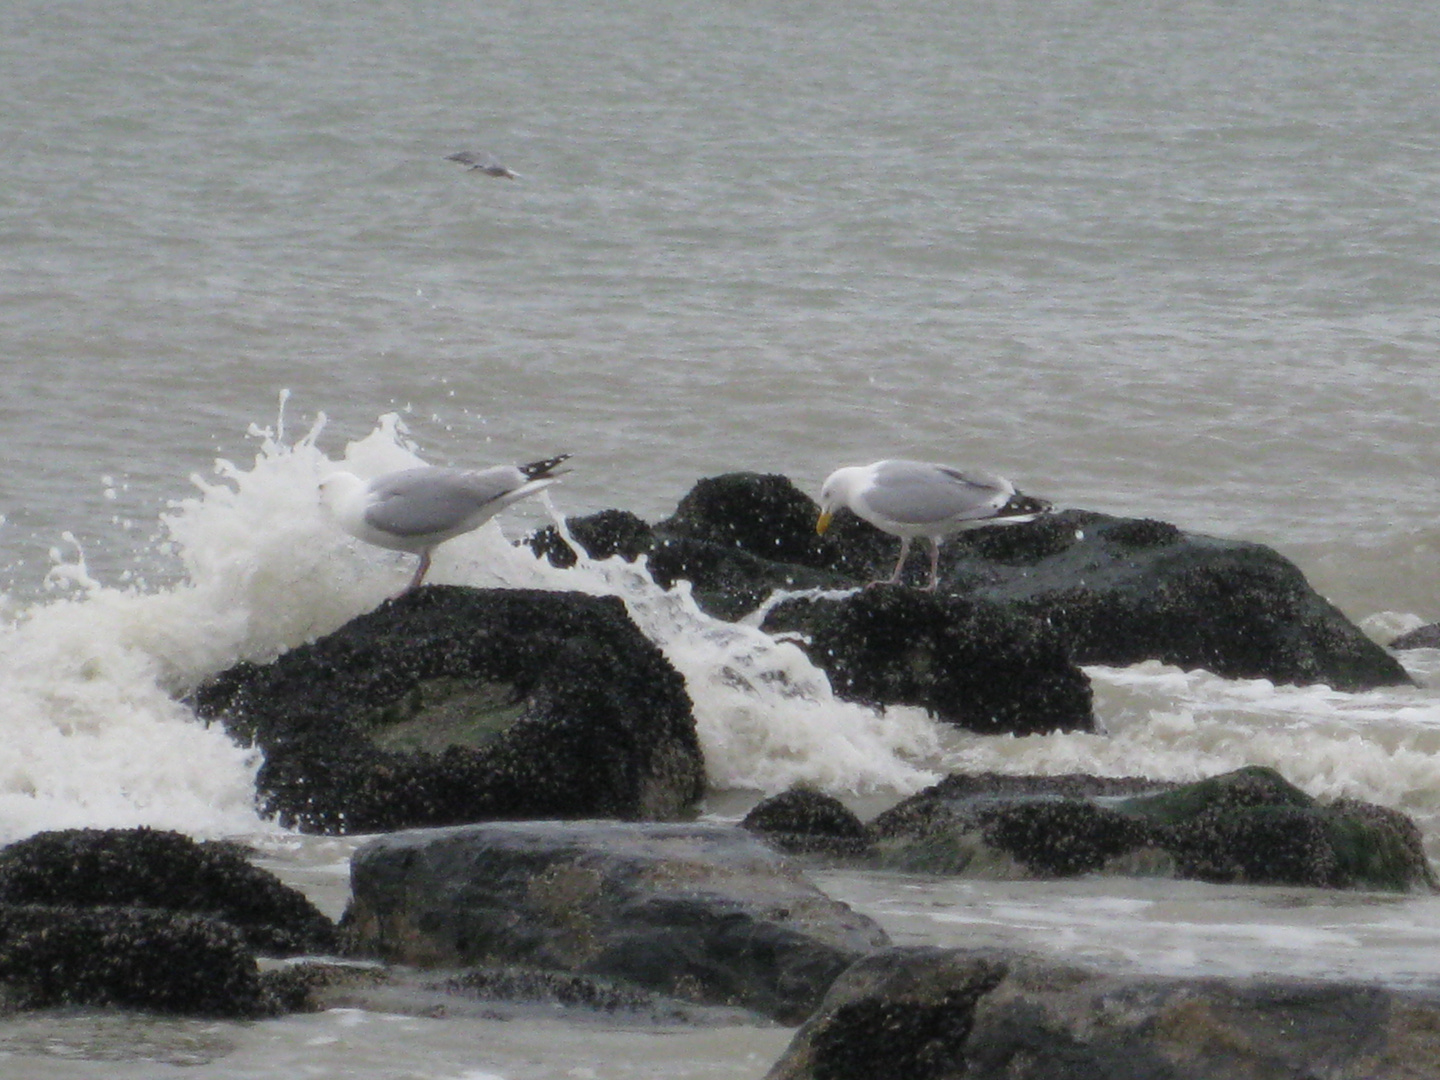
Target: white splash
{"points": [[92, 732], [767, 718], [1382, 746]]}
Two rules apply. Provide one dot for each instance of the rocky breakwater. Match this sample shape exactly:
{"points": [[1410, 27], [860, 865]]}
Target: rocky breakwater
{"points": [[1106, 590], [452, 705], [151, 920], [1249, 826]]}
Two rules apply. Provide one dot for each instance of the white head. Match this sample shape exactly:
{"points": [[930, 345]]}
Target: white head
{"points": [[339, 490], [836, 492]]}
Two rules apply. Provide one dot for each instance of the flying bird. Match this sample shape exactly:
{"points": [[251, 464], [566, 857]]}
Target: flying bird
{"points": [[915, 498], [418, 509], [486, 165]]}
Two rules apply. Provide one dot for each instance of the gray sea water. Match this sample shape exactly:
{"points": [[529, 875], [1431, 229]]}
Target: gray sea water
{"points": [[1175, 260]]}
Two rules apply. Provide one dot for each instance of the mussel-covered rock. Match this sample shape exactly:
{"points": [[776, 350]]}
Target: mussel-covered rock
{"points": [[1115, 590], [147, 919], [934, 1014], [979, 665], [154, 868], [801, 820], [1247, 826], [452, 704], [139, 958]]}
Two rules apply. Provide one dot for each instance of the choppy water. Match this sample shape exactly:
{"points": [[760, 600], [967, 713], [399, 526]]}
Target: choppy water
{"points": [[1171, 260]]}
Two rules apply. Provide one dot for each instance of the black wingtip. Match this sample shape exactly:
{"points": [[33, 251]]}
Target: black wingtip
{"points": [[542, 470], [1021, 503]]}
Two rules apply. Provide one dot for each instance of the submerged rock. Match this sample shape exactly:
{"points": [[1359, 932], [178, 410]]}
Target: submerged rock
{"points": [[490, 993], [1422, 637], [1247, 826], [1114, 590], [451, 705], [152, 868], [801, 821], [703, 913], [935, 1014]]}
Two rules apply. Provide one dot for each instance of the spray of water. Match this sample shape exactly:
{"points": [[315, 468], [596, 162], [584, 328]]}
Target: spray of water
{"points": [[90, 679]]}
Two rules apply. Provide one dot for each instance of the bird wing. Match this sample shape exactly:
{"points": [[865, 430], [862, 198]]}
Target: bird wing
{"points": [[918, 493], [417, 502]]}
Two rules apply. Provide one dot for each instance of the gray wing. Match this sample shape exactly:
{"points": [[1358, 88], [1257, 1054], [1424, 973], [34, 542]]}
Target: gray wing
{"points": [[417, 502], [918, 493]]}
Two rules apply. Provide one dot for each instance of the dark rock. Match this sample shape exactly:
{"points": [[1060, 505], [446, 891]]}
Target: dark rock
{"points": [[1251, 825], [703, 913], [452, 704], [513, 984], [898, 1013], [1237, 609], [1422, 637], [1117, 591], [602, 535], [765, 516], [1246, 826], [992, 825], [149, 868], [729, 583], [1043, 1021], [974, 664], [489, 993], [800, 821], [137, 958], [933, 1014]]}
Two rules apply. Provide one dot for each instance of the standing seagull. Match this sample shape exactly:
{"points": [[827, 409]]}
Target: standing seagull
{"points": [[416, 510], [915, 498], [488, 166]]}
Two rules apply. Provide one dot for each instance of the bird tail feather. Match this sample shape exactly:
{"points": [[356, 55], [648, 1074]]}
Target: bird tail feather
{"points": [[1023, 504], [543, 470]]}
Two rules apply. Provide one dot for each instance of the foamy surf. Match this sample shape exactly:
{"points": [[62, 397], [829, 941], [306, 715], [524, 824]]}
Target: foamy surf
{"points": [[1381, 746], [90, 680]]}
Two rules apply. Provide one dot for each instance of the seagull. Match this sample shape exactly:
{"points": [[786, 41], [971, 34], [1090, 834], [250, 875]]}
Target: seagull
{"points": [[488, 166], [916, 498], [416, 510]]}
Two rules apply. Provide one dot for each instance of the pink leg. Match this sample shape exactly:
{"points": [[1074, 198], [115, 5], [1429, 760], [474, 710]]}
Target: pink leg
{"points": [[419, 572], [934, 565], [899, 564]]}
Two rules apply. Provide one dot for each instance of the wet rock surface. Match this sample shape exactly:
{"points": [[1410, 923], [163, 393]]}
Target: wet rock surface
{"points": [[945, 1013], [1245, 827], [975, 664], [703, 913], [147, 920], [453, 704], [1115, 590], [1248, 826], [1422, 637], [139, 958], [507, 992], [153, 868], [803, 821]]}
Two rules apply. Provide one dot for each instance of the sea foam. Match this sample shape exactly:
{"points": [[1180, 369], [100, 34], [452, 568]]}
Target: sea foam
{"points": [[92, 680]]}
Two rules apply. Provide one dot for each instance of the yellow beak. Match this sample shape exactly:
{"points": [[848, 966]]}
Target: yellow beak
{"points": [[824, 522]]}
